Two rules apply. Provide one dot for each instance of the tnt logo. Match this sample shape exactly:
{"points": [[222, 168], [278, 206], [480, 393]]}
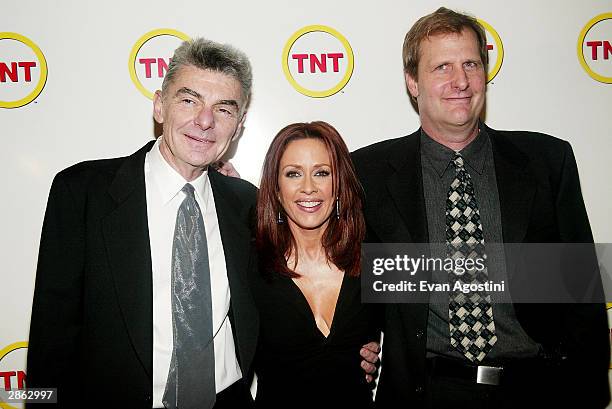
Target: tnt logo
{"points": [[23, 70], [13, 73], [595, 45], [150, 57], [609, 311], [495, 49], [12, 369], [595, 48], [318, 61]]}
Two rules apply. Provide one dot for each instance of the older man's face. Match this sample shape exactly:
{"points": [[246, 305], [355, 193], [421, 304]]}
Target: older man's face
{"points": [[201, 114], [450, 89]]}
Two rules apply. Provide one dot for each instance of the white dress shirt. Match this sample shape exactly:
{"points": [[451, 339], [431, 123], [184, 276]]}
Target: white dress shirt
{"points": [[164, 196]]}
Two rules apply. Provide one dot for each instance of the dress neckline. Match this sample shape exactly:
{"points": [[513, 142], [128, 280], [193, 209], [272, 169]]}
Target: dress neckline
{"points": [[303, 305]]}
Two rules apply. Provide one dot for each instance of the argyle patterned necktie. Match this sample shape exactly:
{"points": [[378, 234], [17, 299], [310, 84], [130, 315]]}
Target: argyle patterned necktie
{"points": [[472, 330], [191, 377]]}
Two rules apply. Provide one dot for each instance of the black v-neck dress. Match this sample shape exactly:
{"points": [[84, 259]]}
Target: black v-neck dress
{"points": [[296, 365]]}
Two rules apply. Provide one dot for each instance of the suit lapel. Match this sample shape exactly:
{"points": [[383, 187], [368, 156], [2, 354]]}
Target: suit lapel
{"points": [[233, 218], [126, 234], [515, 185], [405, 186], [406, 189]]}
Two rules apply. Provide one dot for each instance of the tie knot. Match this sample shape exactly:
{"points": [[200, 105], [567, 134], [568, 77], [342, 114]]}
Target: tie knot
{"points": [[188, 190], [458, 160]]}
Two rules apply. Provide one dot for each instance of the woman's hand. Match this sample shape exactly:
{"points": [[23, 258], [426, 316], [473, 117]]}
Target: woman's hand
{"points": [[226, 168], [369, 352]]}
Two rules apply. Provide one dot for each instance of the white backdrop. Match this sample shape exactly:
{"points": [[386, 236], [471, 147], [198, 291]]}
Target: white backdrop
{"points": [[90, 108]]}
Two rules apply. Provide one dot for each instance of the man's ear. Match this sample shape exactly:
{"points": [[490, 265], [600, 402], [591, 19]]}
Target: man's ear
{"points": [[239, 128], [412, 84], [158, 107]]}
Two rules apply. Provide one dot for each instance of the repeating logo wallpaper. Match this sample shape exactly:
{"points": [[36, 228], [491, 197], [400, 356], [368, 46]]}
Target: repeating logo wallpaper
{"points": [[594, 48], [318, 61], [150, 57], [12, 370], [23, 70]]}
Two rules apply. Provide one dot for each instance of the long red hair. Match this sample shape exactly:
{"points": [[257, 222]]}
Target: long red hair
{"points": [[342, 237]]}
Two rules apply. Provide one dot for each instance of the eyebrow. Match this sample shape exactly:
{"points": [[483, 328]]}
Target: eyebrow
{"points": [[185, 90], [231, 102], [195, 94], [316, 165]]}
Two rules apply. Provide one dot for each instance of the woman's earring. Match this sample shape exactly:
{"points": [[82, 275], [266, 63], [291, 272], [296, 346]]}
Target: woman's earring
{"points": [[337, 208], [279, 218]]}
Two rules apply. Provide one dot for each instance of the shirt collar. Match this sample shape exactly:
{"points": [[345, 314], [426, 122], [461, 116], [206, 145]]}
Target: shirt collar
{"points": [[170, 182], [441, 156]]}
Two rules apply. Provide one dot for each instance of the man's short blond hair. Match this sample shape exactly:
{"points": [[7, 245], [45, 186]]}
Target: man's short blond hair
{"points": [[441, 21]]}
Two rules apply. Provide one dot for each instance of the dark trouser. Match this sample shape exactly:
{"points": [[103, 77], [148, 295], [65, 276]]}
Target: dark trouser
{"points": [[452, 385], [236, 396]]}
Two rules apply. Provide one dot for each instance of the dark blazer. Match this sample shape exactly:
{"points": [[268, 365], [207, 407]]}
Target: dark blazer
{"points": [[540, 202], [91, 333]]}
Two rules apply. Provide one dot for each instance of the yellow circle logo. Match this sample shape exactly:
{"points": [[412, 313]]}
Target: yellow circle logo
{"points": [[23, 70], [595, 48], [495, 48], [150, 57], [609, 307], [12, 369], [318, 61]]}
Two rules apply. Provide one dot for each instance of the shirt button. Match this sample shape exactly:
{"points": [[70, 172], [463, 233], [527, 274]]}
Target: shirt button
{"points": [[419, 334]]}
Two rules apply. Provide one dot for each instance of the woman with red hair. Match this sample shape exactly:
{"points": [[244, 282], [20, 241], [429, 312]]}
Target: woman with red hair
{"points": [[309, 231]]}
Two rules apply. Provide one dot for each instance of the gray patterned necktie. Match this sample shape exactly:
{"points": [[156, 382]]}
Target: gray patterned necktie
{"points": [[191, 378], [472, 330]]}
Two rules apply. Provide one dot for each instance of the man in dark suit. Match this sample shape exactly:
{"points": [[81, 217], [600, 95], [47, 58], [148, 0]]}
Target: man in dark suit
{"points": [[109, 302], [509, 187]]}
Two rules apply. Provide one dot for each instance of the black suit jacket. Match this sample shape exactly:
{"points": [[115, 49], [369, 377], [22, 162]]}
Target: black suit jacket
{"points": [[91, 333], [540, 202]]}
